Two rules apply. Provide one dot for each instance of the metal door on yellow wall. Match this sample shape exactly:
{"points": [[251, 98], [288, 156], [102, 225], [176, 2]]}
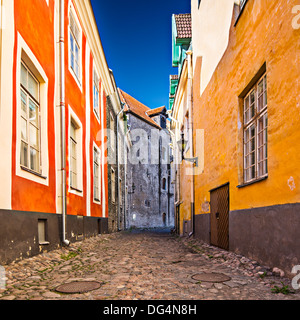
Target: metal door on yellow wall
{"points": [[219, 220]]}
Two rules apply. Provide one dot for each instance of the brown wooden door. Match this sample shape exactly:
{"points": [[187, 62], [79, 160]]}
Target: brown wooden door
{"points": [[219, 221]]}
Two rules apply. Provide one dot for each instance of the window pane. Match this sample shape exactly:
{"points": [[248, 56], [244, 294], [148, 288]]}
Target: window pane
{"points": [[261, 102], [24, 154], [34, 137], [24, 129], [73, 131], [252, 158], [23, 104], [72, 51], [261, 169], [33, 87], [260, 154], [76, 60], [23, 76], [34, 160], [253, 172], [246, 110], [33, 113], [73, 150]]}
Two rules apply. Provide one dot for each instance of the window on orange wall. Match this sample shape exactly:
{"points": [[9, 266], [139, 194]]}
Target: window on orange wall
{"points": [[75, 49], [73, 156], [96, 93], [97, 174], [30, 120], [256, 132]]}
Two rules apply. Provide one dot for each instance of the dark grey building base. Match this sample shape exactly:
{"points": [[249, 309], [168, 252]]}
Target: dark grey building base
{"points": [[19, 237], [269, 235], [202, 227]]}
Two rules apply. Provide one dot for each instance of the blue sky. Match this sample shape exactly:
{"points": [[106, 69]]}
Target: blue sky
{"points": [[137, 39]]}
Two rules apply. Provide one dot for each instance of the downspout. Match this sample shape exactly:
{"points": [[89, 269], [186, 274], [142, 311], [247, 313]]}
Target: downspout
{"points": [[63, 123], [190, 108]]}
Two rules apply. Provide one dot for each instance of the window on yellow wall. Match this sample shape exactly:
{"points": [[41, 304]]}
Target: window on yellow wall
{"points": [[30, 120], [256, 132]]}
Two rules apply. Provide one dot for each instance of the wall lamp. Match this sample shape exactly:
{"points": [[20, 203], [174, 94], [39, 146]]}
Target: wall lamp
{"points": [[182, 144]]}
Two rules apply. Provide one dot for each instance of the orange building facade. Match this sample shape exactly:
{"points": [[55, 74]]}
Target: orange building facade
{"points": [[54, 84]]}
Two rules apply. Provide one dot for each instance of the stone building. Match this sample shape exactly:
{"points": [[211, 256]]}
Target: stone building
{"points": [[118, 143], [150, 200]]}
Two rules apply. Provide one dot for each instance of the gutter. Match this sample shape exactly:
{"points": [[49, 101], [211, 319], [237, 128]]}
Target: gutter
{"points": [[63, 117]]}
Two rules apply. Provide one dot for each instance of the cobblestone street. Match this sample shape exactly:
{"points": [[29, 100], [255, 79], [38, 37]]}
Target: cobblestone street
{"points": [[143, 266]]}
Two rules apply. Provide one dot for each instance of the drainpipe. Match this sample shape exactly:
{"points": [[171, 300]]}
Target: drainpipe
{"points": [[190, 108], [63, 117]]}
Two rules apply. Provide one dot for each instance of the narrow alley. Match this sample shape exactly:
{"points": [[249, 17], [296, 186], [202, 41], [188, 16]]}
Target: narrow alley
{"points": [[143, 265]]}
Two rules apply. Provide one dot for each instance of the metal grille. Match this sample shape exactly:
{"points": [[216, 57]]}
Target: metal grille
{"points": [[219, 201]]}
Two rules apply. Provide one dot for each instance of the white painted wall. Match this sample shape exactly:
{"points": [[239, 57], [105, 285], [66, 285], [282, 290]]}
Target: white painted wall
{"points": [[6, 102], [210, 34]]}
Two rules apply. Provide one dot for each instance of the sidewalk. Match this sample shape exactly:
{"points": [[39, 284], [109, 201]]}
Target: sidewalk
{"points": [[142, 266]]}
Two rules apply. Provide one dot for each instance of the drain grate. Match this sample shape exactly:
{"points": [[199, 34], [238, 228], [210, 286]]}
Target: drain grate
{"points": [[211, 277], [78, 287]]}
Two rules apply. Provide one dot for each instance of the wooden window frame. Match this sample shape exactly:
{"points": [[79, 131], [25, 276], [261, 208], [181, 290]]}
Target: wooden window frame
{"points": [[253, 121]]}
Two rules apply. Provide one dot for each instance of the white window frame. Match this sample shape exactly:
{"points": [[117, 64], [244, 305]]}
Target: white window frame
{"points": [[78, 79], [97, 197], [253, 121], [96, 88], [78, 190], [30, 100], [26, 55]]}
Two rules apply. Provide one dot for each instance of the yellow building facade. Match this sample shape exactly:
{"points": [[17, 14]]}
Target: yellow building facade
{"points": [[245, 99]]}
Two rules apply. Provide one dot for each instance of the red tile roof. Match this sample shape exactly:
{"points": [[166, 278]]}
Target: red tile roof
{"points": [[134, 106], [153, 112], [184, 25]]}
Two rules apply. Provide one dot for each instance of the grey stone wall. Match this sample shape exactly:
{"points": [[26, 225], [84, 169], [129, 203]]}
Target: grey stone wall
{"points": [[150, 200], [116, 208]]}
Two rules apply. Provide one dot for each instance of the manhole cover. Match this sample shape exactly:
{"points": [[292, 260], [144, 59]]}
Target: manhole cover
{"points": [[211, 277], [78, 287]]}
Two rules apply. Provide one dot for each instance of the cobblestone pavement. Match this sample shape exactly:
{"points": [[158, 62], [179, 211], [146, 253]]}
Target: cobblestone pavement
{"points": [[142, 266]]}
